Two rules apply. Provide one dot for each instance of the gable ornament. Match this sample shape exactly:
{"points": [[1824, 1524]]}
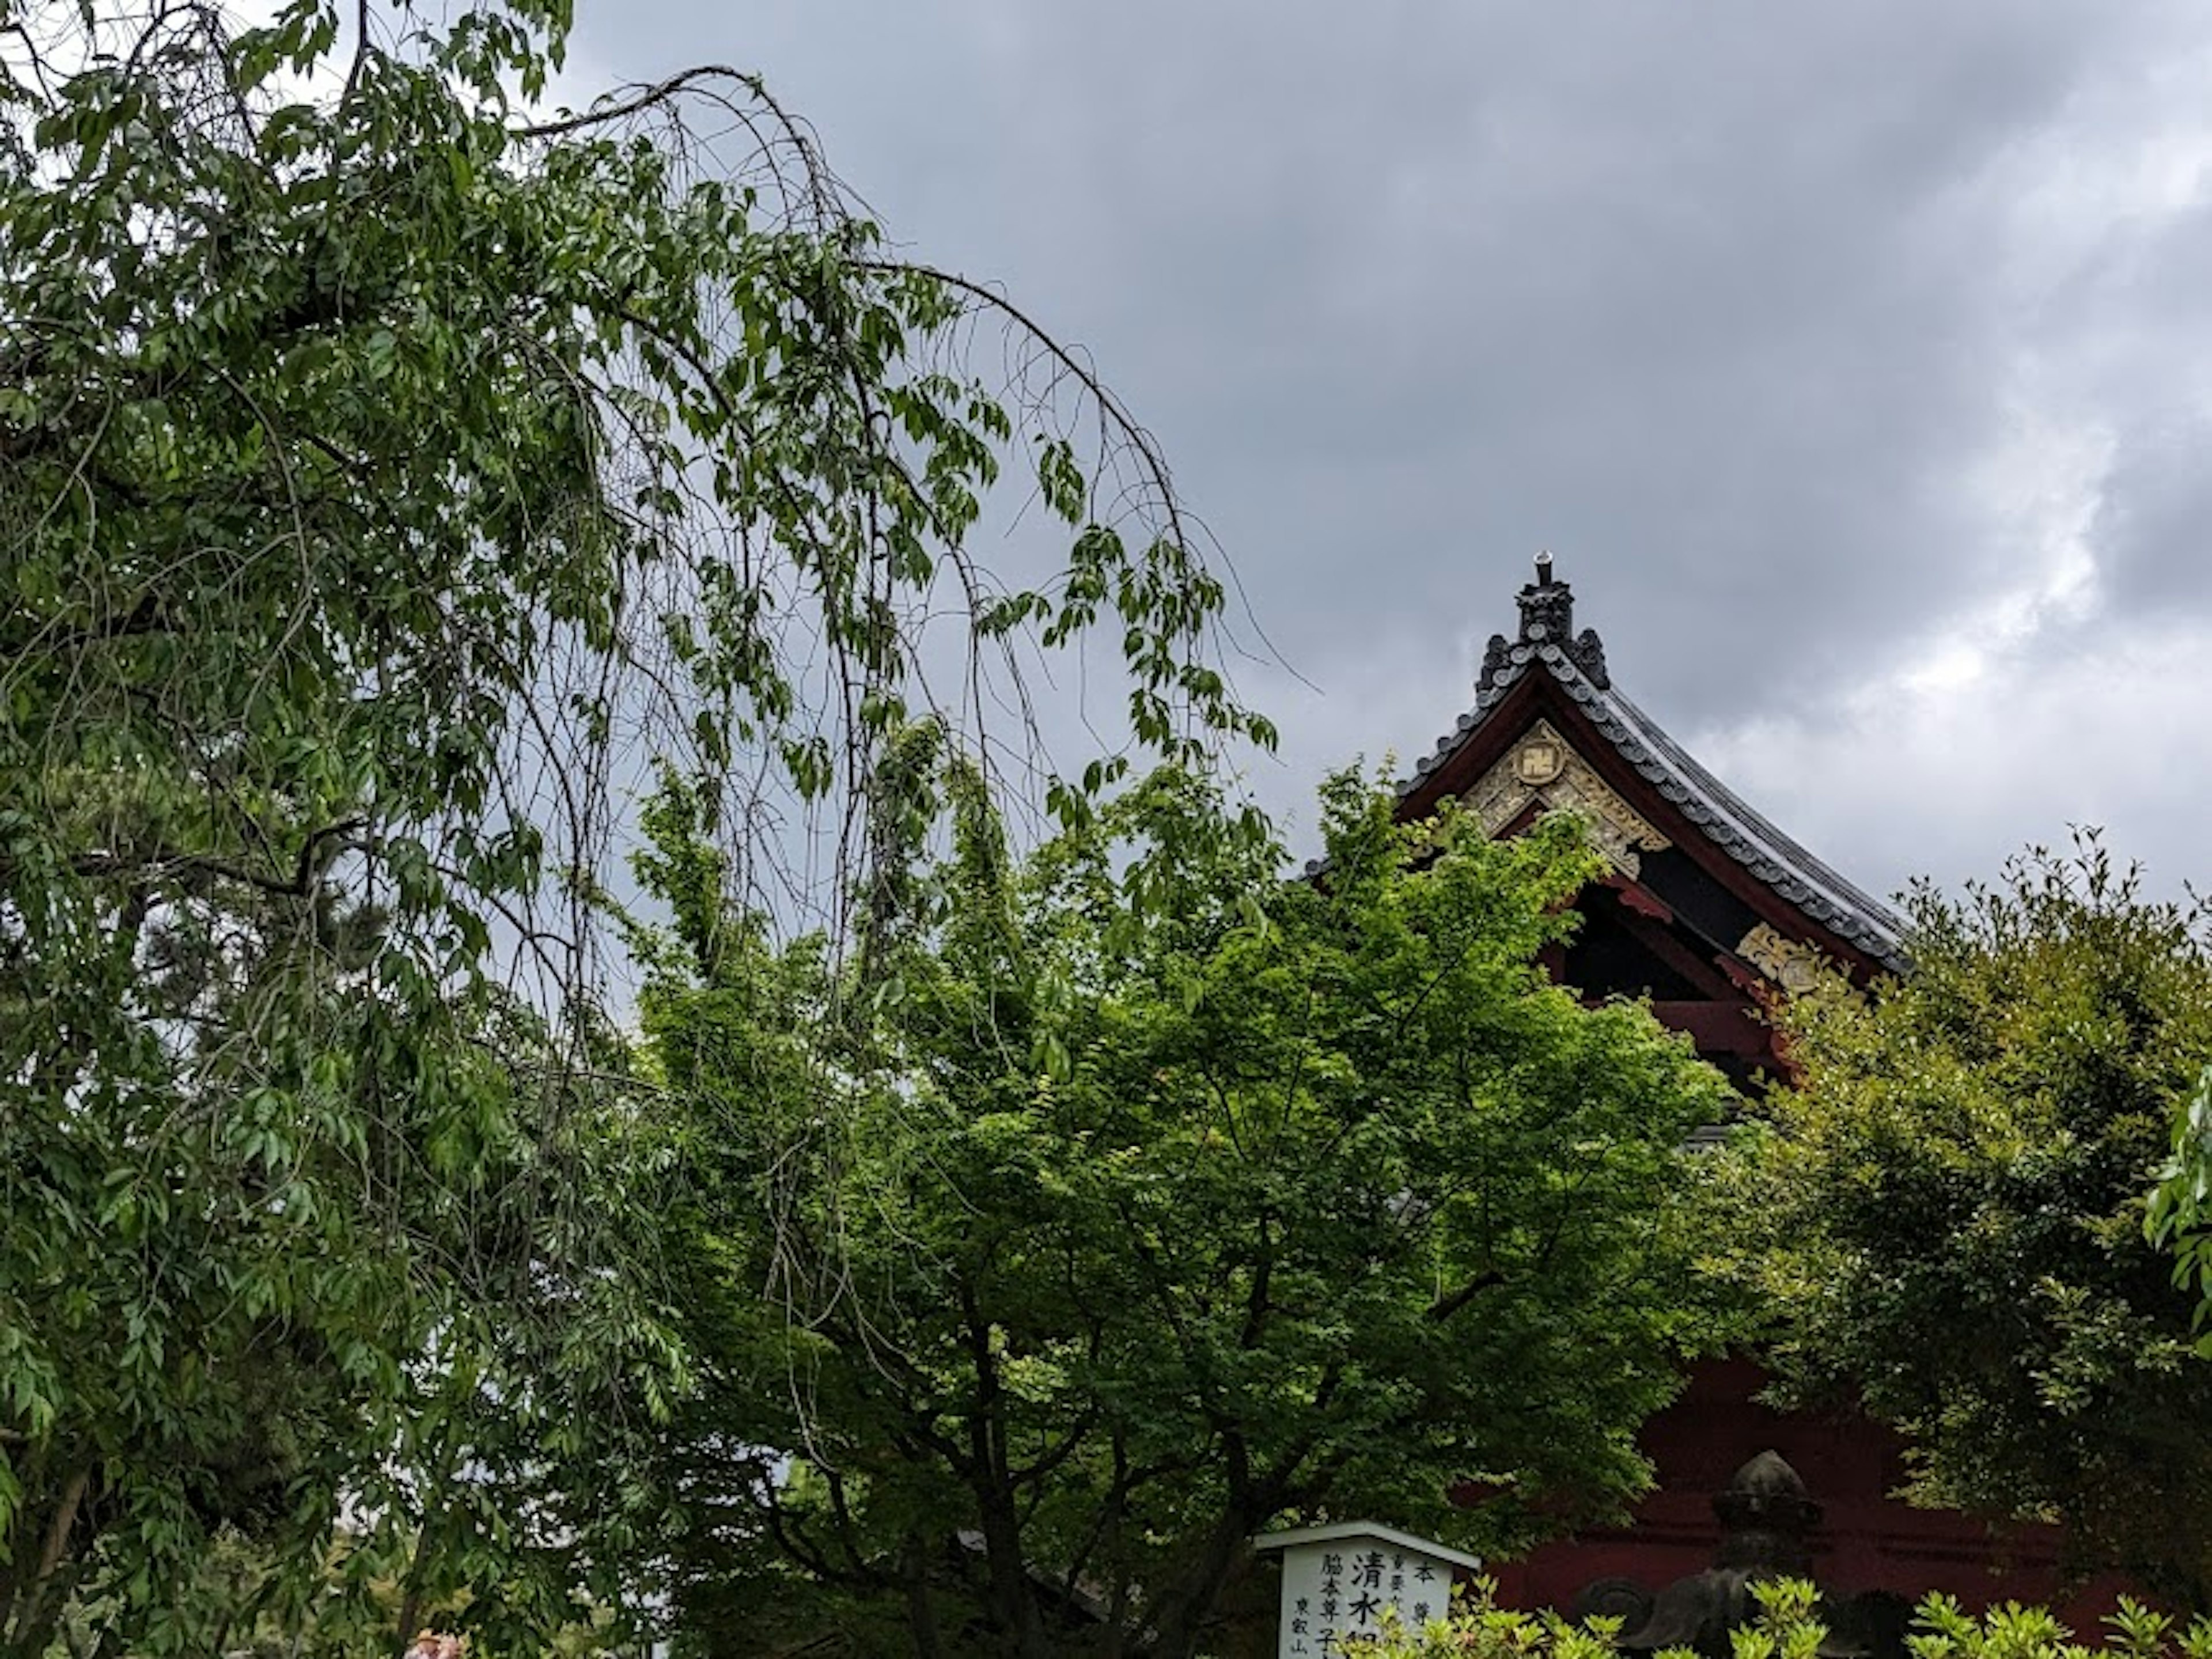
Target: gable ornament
{"points": [[1790, 963], [1543, 769]]}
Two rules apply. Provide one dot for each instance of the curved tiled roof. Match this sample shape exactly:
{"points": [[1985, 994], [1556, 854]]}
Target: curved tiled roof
{"points": [[1576, 665]]}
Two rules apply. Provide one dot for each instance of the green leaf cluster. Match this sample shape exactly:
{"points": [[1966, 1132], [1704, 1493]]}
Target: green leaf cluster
{"points": [[1789, 1625], [1141, 1200], [2179, 1217], [1946, 1216]]}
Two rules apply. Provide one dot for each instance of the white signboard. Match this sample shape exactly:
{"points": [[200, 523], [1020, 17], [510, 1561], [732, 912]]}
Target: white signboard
{"points": [[1339, 1580]]}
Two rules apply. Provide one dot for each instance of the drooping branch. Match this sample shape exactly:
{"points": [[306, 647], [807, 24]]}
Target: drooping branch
{"points": [[661, 92], [316, 851]]}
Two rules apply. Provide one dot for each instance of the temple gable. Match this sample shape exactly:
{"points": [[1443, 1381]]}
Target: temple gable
{"points": [[1708, 909]]}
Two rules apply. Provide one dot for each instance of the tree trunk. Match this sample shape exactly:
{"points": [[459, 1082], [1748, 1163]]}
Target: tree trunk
{"points": [[1182, 1612], [41, 1599], [1013, 1596], [921, 1616]]}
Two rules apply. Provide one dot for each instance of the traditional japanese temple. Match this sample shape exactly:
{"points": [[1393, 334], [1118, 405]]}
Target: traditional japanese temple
{"points": [[1709, 911]]}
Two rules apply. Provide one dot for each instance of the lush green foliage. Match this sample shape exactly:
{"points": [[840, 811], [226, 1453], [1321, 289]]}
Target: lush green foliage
{"points": [[2012, 1632], [2180, 1214], [1478, 1628], [1789, 1627], [1149, 1200], [379, 474], [1947, 1214]]}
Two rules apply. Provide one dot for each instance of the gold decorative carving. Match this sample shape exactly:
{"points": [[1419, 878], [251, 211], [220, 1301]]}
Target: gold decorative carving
{"points": [[1543, 769], [1537, 763], [1790, 963]]}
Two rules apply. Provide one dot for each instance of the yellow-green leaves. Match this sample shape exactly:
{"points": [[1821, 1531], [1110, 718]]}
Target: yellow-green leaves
{"points": [[2180, 1204], [1167, 1199]]}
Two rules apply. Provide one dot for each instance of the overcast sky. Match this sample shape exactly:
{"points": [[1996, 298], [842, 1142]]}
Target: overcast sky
{"points": [[1854, 361]]}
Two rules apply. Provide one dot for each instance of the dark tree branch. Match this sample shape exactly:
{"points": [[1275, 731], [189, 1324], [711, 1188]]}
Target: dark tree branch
{"points": [[660, 91], [1445, 1306]]}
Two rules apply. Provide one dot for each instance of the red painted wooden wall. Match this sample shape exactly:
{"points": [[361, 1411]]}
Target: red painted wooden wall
{"points": [[1866, 1540]]}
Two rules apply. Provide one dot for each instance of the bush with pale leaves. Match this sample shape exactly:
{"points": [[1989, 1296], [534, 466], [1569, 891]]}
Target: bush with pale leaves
{"points": [[1789, 1627]]}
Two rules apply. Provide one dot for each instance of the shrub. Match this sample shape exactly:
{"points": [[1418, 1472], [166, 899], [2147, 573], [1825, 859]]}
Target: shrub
{"points": [[1789, 1627]]}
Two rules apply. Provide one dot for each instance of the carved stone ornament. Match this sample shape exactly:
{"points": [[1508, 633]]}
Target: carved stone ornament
{"points": [[1794, 966], [1768, 1520], [1541, 769]]}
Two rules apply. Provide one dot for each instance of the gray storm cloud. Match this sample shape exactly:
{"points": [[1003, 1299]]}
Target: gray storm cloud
{"points": [[1855, 362]]}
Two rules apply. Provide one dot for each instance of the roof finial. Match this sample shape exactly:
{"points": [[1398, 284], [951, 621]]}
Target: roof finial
{"points": [[1548, 618], [1547, 607]]}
